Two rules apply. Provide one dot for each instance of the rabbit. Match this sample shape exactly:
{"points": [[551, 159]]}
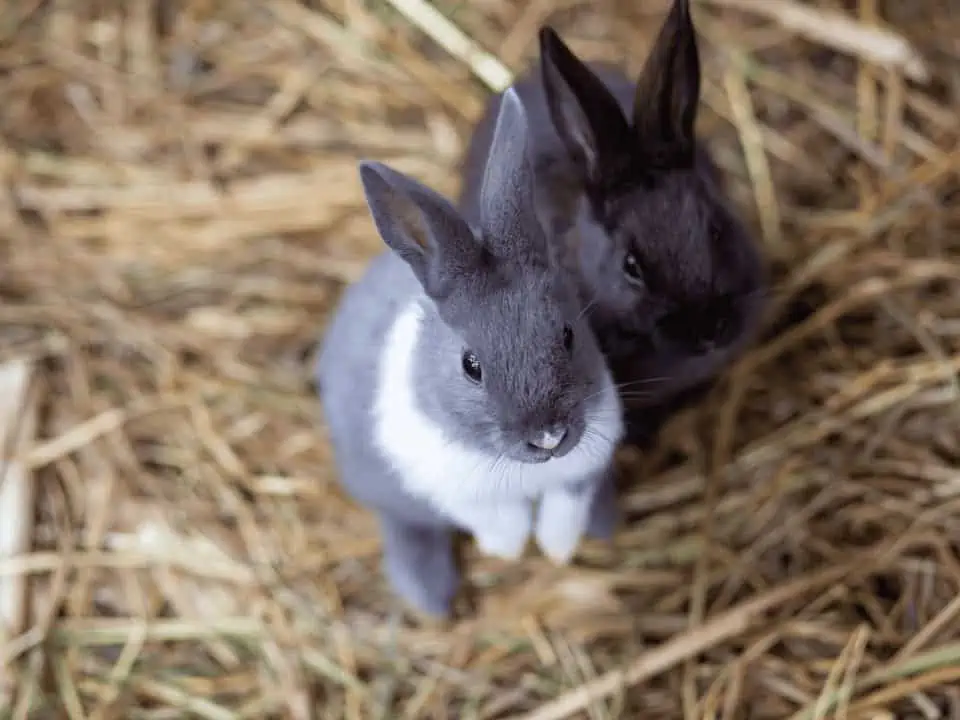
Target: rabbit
{"points": [[461, 383], [674, 282]]}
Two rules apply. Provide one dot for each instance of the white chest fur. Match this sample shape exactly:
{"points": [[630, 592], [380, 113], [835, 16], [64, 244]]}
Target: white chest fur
{"points": [[447, 473]]}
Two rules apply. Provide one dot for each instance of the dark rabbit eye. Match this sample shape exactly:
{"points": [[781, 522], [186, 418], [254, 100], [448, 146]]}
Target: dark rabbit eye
{"points": [[471, 366], [631, 266], [568, 338]]}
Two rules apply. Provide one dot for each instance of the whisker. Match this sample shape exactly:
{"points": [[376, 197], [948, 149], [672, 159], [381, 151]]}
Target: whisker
{"points": [[594, 433], [587, 307], [494, 476], [591, 429], [636, 396], [592, 395], [623, 385], [501, 473], [645, 381]]}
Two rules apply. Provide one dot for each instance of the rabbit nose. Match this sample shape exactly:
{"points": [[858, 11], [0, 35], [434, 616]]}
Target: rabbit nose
{"points": [[549, 439]]}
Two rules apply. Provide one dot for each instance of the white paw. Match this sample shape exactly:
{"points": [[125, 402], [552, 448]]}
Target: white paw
{"points": [[504, 533], [502, 545], [561, 522]]}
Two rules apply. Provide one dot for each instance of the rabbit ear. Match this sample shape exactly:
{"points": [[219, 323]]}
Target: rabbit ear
{"points": [[507, 213], [584, 112], [419, 225], [668, 91]]}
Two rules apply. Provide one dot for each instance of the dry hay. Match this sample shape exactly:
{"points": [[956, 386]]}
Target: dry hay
{"points": [[180, 208]]}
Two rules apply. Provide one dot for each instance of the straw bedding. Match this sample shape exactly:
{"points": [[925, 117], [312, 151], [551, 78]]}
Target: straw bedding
{"points": [[180, 210]]}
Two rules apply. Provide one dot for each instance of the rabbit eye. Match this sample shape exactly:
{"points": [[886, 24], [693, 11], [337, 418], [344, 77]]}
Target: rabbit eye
{"points": [[631, 267], [471, 366], [568, 338]]}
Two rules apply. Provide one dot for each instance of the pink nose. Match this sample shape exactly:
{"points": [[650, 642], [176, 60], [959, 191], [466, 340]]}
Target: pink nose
{"points": [[550, 439]]}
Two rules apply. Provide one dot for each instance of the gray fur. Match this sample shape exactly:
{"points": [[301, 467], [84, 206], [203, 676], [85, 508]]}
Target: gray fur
{"points": [[490, 286], [618, 169]]}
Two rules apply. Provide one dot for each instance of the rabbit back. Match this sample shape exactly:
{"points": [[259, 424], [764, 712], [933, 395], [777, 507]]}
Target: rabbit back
{"points": [[347, 374]]}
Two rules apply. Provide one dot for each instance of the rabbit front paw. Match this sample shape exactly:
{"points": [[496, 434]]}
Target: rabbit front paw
{"points": [[561, 522], [503, 531]]}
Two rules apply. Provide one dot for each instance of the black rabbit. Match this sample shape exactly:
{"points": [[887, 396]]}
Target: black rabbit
{"points": [[674, 282]]}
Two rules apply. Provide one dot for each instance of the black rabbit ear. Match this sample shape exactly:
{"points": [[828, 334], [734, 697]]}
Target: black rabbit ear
{"points": [[420, 226], [668, 91], [584, 112]]}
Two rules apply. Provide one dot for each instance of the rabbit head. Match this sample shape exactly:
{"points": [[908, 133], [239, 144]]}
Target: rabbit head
{"points": [[674, 279], [505, 362]]}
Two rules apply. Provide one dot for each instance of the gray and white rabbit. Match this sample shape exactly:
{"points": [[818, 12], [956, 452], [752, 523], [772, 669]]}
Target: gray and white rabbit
{"points": [[461, 383], [674, 280]]}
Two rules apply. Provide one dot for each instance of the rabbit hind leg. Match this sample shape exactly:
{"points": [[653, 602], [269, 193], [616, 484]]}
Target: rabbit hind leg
{"points": [[420, 565]]}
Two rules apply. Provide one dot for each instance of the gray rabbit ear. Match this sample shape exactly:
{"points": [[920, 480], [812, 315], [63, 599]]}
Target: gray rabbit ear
{"points": [[585, 114], [419, 225], [507, 213], [668, 91]]}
